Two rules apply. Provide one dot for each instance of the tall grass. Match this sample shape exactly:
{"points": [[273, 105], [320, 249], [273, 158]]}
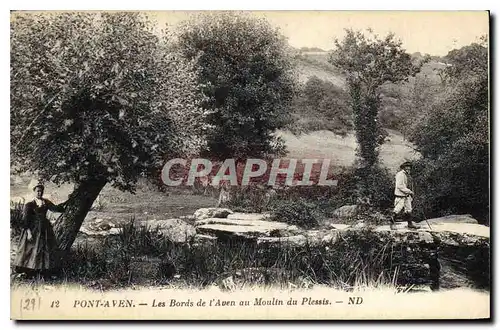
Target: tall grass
{"points": [[140, 256], [16, 216]]}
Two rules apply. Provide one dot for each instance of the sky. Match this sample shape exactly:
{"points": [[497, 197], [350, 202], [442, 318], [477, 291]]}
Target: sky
{"points": [[427, 32], [431, 32]]}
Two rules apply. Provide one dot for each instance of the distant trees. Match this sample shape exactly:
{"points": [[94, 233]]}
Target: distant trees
{"points": [[369, 62], [311, 49], [330, 100], [453, 137], [324, 104], [247, 76], [98, 99]]}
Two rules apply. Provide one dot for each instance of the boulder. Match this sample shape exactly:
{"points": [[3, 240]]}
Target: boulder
{"points": [[101, 225], [359, 224], [211, 212], [98, 226], [187, 218], [401, 235], [321, 237], [289, 241], [309, 238], [176, 230], [461, 237], [90, 232]]}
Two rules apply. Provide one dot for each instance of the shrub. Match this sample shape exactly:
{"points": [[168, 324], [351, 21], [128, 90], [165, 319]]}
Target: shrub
{"points": [[300, 212]]}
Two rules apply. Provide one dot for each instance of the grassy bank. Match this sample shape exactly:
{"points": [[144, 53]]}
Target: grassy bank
{"points": [[141, 256]]}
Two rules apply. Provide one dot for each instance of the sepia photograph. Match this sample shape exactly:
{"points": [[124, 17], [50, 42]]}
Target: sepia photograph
{"points": [[249, 165]]}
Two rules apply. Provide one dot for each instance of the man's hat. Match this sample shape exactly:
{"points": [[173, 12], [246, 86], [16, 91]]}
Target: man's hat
{"points": [[405, 164]]}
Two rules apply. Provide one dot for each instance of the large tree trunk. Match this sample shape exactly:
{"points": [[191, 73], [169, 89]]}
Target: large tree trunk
{"points": [[78, 205]]}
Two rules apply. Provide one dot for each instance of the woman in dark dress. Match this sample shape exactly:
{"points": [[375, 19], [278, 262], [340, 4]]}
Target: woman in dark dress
{"points": [[37, 249]]}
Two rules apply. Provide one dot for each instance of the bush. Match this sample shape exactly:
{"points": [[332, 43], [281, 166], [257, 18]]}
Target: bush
{"points": [[300, 212], [373, 187]]}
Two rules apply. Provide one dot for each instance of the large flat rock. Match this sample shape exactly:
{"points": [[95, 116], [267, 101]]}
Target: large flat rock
{"points": [[248, 216], [464, 228], [237, 222], [290, 241], [339, 226], [460, 218], [310, 238], [227, 228], [461, 228]]}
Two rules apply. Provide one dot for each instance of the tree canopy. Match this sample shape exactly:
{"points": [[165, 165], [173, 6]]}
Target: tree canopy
{"points": [[453, 137], [247, 76], [99, 95]]}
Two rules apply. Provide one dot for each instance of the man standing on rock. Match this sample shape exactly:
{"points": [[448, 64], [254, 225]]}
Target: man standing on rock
{"points": [[403, 197]]}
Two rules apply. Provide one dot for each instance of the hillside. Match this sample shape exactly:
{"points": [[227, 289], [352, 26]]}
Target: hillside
{"points": [[314, 106], [311, 64], [316, 63], [342, 150]]}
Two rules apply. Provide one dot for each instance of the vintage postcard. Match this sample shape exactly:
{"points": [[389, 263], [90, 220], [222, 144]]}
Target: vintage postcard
{"points": [[250, 165]]}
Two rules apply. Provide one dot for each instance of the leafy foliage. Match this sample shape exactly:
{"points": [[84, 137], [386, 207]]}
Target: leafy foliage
{"points": [[248, 79], [453, 138], [323, 103], [369, 62], [410, 100], [299, 212], [99, 95]]}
